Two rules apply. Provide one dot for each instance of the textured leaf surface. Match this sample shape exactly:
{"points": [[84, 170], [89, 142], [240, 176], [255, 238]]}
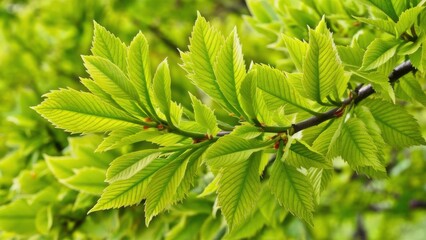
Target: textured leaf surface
{"points": [[164, 186], [129, 164], [322, 70], [320, 179], [238, 190], [356, 146], [278, 91], [89, 180], [230, 70], [231, 149], [162, 87], [109, 77], [139, 70], [126, 136], [399, 129], [81, 112], [297, 50], [130, 191], [293, 190], [386, 7], [205, 117], [379, 52], [302, 155], [407, 19], [205, 43], [108, 46]]}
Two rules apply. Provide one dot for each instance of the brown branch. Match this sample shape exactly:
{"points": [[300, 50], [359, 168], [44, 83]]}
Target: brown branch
{"points": [[363, 93]]}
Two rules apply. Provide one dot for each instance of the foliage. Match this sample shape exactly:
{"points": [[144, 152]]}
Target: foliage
{"points": [[252, 128]]}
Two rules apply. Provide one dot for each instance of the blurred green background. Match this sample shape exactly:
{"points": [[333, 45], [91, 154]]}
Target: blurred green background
{"points": [[41, 43]]}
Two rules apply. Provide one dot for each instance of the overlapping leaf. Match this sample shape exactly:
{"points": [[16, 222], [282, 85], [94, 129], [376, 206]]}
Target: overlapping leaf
{"points": [[205, 117], [238, 190], [399, 129], [162, 88], [82, 112], [293, 190], [379, 52], [302, 155]]}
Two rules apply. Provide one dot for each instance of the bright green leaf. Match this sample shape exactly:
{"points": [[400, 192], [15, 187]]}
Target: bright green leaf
{"points": [[162, 87], [204, 116], [303, 155], [379, 52]]}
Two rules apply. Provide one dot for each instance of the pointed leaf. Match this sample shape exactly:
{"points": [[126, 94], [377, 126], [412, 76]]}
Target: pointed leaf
{"points": [[126, 136], [385, 25], [320, 178], [204, 46], [164, 186], [297, 50], [407, 19], [162, 87], [302, 155], [399, 129], [231, 149], [322, 71], [378, 53], [204, 116], [292, 190], [238, 190], [139, 70], [82, 112], [386, 7], [89, 180], [108, 46], [278, 91], [109, 77]]}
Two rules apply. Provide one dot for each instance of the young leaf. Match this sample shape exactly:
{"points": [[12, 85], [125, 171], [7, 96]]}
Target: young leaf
{"points": [[166, 182], [232, 149], [82, 112], [108, 46], [379, 52], [297, 50], [356, 146], [411, 86], [204, 116], [292, 190], [204, 46], [407, 19], [385, 25], [230, 70], [399, 129], [162, 88], [109, 77], [130, 191], [238, 190], [139, 70], [278, 91], [378, 80], [302, 155], [320, 178], [88, 179], [126, 136], [386, 7], [322, 70], [127, 165]]}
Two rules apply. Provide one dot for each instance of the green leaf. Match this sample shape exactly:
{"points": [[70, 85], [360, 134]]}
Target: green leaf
{"points": [[82, 112], [205, 43], [108, 46], [378, 80], [385, 25], [297, 50], [230, 70], [238, 190], [247, 131], [18, 217], [232, 149], [126, 136], [292, 190], [322, 71], [109, 77], [278, 92], [139, 70], [302, 155], [127, 165], [130, 191], [411, 87], [356, 146], [379, 52], [204, 116], [407, 19], [399, 128], [88, 179], [194, 162], [164, 186], [248, 95], [320, 178], [162, 88], [386, 7]]}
